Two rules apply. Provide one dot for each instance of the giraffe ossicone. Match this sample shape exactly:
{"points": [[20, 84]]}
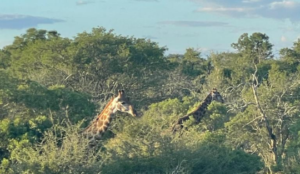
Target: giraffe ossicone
{"points": [[100, 124], [200, 111]]}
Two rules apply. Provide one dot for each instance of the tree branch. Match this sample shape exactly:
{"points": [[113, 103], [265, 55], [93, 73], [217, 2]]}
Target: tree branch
{"points": [[267, 124]]}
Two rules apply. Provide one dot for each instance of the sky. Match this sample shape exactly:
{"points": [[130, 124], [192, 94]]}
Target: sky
{"points": [[205, 25]]}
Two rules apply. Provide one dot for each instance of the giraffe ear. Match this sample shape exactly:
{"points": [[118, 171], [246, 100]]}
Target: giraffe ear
{"points": [[120, 93]]}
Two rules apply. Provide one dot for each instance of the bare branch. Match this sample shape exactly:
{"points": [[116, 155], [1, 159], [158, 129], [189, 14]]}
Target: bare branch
{"points": [[252, 120], [258, 105]]}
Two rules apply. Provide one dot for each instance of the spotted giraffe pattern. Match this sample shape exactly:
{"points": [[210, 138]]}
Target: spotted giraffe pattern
{"points": [[200, 111], [99, 125]]}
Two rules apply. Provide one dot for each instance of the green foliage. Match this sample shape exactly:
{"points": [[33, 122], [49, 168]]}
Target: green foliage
{"points": [[256, 47], [55, 99], [146, 145], [4, 59], [192, 64], [62, 150], [171, 106], [4, 168], [206, 159], [215, 117], [35, 96], [225, 70], [29, 109], [291, 55], [49, 83]]}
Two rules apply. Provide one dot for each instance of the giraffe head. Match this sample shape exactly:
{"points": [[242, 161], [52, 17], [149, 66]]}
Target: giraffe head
{"points": [[122, 104], [216, 95]]}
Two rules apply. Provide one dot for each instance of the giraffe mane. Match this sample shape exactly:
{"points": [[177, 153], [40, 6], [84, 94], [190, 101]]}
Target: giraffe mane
{"points": [[107, 105]]}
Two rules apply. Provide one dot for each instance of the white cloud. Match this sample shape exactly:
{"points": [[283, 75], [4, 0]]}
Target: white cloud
{"points": [[283, 4], [194, 23], [148, 0], [250, 1], [203, 49], [231, 3], [283, 39], [280, 9], [223, 9], [82, 2]]}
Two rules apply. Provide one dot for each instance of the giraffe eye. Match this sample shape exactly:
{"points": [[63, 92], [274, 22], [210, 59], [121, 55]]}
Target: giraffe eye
{"points": [[123, 103]]}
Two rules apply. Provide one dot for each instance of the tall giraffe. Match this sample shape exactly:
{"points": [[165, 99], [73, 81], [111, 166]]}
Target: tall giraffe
{"points": [[99, 125], [199, 112]]}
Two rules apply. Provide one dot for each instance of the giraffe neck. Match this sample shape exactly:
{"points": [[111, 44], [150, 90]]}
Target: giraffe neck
{"points": [[101, 123], [199, 112]]}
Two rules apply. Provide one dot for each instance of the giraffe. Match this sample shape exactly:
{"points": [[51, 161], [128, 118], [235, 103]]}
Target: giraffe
{"points": [[99, 125], [199, 112]]}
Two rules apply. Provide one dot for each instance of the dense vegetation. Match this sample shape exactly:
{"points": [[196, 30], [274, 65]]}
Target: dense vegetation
{"points": [[51, 87]]}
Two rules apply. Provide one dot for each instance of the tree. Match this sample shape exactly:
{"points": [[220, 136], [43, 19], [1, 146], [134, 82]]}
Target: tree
{"points": [[4, 59], [268, 111], [256, 47]]}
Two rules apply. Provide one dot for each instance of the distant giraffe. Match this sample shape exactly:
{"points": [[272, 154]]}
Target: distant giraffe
{"points": [[99, 125], [199, 112]]}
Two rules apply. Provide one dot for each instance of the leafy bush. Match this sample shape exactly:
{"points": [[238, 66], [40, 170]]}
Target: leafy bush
{"points": [[63, 150], [146, 145]]}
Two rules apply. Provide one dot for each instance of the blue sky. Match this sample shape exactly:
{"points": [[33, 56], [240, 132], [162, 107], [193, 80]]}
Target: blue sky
{"points": [[206, 25]]}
